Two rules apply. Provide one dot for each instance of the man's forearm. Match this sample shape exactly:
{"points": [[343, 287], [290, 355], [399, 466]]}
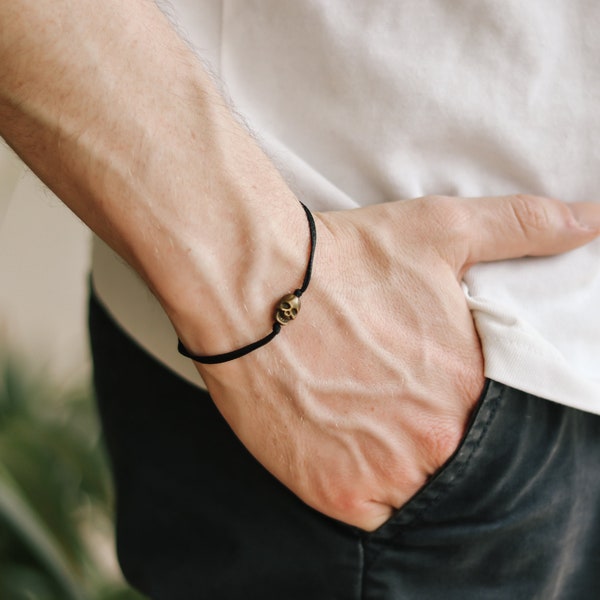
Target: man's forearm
{"points": [[117, 116]]}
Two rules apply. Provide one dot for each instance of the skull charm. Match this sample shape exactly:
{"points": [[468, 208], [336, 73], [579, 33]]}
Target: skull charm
{"points": [[287, 309]]}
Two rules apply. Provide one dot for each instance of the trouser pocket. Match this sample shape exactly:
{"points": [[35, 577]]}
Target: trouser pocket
{"points": [[512, 514]]}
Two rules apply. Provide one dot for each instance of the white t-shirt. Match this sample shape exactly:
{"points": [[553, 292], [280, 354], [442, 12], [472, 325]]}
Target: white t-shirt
{"points": [[367, 102]]}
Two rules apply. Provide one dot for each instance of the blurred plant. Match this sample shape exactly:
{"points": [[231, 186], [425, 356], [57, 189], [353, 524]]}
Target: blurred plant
{"points": [[55, 494]]}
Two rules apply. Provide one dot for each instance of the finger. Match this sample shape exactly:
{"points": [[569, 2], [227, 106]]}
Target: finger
{"points": [[371, 516], [521, 225]]}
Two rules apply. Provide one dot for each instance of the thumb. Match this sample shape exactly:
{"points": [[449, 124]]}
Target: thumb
{"points": [[522, 225]]}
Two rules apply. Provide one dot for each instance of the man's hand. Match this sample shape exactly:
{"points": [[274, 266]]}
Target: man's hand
{"points": [[369, 391], [364, 396]]}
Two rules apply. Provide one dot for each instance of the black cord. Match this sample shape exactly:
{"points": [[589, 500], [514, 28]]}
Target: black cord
{"points": [[227, 356]]}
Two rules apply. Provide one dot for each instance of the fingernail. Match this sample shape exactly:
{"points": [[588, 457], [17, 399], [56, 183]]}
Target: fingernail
{"points": [[587, 214]]}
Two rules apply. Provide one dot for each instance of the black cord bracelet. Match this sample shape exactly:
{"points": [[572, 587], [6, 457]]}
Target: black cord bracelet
{"points": [[286, 311]]}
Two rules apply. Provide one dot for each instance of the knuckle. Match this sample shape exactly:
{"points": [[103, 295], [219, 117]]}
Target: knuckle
{"points": [[345, 502], [348, 500], [447, 441], [340, 502], [443, 442], [442, 435], [531, 214]]}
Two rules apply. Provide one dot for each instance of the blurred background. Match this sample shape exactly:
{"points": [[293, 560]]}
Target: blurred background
{"points": [[56, 498]]}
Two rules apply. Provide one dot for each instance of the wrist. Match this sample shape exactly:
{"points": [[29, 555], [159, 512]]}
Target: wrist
{"points": [[285, 311], [221, 294]]}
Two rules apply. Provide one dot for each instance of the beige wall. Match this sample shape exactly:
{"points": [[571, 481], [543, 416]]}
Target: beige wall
{"points": [[43, 274]]}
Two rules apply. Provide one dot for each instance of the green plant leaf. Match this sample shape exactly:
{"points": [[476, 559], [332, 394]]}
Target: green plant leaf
{"points": [[18, 514]]}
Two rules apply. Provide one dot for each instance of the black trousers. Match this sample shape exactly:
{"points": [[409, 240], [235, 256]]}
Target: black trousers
{"points": [[514, 514]]}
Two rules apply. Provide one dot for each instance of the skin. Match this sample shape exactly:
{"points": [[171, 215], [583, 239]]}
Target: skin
{"points": [[369, 391]]}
